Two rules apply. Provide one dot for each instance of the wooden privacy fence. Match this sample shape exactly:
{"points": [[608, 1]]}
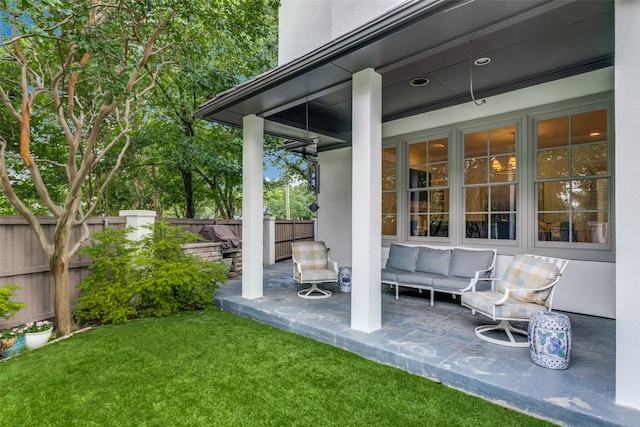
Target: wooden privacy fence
{"points": [[22, 260], [288, 232]]}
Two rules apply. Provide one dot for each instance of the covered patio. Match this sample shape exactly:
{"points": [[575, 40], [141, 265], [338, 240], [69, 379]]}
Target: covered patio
{"points": [[439, 343]]}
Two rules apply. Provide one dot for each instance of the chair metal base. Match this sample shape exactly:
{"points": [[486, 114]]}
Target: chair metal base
{"points": [[506, 327], [314, 292]]}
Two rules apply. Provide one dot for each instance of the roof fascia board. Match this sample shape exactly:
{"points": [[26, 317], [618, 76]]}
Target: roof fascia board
{"points": [[391, 21]]}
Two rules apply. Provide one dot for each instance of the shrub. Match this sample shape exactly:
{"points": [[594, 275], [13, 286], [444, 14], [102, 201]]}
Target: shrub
{"points": [[107, 292], [170, 280], [7, 307], [152, 277]]}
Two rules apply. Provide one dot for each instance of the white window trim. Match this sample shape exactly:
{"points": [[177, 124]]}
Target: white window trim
{"points": [[526, 222]]}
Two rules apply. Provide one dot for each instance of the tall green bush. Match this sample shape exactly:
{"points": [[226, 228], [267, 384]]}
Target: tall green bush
{"points": [[107, 292], [7, 307], [151, 277]]}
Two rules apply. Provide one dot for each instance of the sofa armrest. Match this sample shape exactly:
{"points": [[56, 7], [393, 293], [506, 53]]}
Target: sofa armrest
{"points": [[474, 281]]}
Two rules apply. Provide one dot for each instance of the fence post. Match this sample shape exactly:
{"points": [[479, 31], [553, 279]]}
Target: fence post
{"points": [[137, 219], [315, 228], [293, 231], [269, 241]]}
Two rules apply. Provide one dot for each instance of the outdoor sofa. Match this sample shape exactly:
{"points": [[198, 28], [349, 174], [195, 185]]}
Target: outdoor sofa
{"points": [[452, 270]]}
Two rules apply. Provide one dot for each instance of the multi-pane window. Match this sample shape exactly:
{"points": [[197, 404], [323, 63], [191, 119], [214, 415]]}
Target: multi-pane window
{"points": [[573, 178], [389, 192], [428, 177], [489, 184], [542, 179]]}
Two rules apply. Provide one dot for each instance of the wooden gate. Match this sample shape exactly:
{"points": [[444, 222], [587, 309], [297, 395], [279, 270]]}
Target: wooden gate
{"points": [[288, 232]]}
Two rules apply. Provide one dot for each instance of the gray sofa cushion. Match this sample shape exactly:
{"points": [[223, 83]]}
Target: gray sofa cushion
{"points": [[434, 261], [390, 274], [402, 257], [465, 263], [417, 278], [450, 283]]}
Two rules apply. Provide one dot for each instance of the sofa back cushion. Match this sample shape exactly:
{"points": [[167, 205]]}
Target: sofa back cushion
{"points": [[525, 272], [402, 257], [433, 260], [465, 263]]}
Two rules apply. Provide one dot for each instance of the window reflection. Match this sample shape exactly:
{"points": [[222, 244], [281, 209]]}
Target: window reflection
{"points": [[490, 167], [389, 192], [573, 195], [428, 182]]}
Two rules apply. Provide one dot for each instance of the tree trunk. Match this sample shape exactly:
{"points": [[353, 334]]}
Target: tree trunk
{"points": [[187, 181], [59, 276]]}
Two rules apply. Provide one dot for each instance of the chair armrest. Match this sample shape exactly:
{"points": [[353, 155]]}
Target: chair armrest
{"points": [[297, 267], [508, 291], [516, 290], [332, 265]]}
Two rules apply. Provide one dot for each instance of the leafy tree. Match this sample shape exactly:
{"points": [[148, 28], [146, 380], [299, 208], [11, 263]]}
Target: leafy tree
{"points": [[206, 157], [76, 76], [300, 197]]}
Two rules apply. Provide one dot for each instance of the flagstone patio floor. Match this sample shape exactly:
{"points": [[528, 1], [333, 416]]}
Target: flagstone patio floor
{"points": [[439, 343]]}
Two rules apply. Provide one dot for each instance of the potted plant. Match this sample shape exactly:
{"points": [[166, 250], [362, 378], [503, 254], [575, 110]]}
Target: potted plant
{"points": [[37, 334], [10, 336], [8, 339]]}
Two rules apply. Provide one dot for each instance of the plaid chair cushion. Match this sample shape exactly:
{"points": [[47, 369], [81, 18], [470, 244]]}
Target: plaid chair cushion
{"points": [[311, 255], [311, 275], [511, 309], [525, 272]]}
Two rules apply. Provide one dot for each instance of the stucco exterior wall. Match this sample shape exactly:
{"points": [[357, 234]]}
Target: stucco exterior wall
{"points": [[334, 215], [308, 24]]}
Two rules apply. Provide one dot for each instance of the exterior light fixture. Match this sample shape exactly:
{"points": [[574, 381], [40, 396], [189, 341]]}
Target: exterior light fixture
{"points": [[482, 61], [419, 81]]}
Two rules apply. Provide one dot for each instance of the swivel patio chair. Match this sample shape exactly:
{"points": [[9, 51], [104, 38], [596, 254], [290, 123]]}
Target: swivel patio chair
{"points": [[526, 287], [311, 265]]}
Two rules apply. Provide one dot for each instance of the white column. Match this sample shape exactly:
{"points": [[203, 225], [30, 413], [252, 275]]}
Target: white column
{"points": [[139, 220], [269, 239], [252, 206], [627, 129], [366, 307]]}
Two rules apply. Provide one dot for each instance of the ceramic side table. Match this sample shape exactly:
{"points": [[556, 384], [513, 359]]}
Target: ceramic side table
{"points": [[344, 279], [550, 340]]}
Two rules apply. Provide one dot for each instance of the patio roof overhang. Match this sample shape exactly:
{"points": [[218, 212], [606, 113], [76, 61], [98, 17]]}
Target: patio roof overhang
{"points": [[529, 42]]}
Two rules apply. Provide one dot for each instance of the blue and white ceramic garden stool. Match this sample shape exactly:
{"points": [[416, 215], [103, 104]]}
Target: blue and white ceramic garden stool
{"points": [[344, 279], [550, 339]]}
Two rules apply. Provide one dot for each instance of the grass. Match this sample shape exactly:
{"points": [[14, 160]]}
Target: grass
{"points": [[217, 369]]}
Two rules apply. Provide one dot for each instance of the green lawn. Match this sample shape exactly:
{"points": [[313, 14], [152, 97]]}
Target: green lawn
{"points": [[217, 369]]}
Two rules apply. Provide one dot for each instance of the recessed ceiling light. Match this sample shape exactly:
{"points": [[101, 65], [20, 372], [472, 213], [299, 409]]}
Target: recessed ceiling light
{"points": [[594, 134], [419, 81], [482, 61]]}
